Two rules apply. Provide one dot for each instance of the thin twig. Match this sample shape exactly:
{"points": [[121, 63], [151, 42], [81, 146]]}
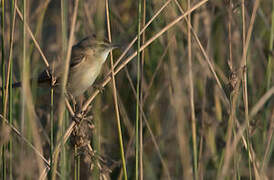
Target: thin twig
{"points": [[32, 37], [17, 132]]}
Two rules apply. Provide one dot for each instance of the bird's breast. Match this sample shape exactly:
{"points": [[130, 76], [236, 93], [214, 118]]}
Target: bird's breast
{"points": [[83, 77]]}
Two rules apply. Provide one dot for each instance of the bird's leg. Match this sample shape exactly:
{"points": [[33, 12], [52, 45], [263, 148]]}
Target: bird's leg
{"points": [[84, 113], [99, 87]]}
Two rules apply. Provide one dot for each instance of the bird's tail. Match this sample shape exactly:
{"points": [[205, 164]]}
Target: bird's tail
{"points": [[14, 85]]}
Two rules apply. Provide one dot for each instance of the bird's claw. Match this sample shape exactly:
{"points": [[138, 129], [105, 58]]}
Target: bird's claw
{"points": [[99, 87]]}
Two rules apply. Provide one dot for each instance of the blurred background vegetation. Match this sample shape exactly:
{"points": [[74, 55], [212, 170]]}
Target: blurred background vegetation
{"points": [[205, 93]]}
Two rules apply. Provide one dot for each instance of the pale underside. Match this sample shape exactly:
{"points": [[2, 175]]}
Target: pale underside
{"points": [[84, 73], [80, 80]]}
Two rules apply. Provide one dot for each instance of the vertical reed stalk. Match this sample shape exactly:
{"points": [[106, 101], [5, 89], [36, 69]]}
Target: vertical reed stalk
{"points": [[61, 108], [115, 98], [191, 92], [270, 66], [10, 66], [51, 129], [139, 21], [75, 163], [64, 162], [245, 94], [141, 93], [3, 148]]}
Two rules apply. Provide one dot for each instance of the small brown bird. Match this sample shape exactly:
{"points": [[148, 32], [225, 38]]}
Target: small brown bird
{"points": [[87, 58]]}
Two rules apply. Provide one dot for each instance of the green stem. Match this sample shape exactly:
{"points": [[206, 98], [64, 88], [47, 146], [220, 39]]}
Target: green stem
{"points": [[3, 148], [138, 92], [10, 89], [51, 129]]}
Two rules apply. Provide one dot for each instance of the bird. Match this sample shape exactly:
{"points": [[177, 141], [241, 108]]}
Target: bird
{"points": [[87, 59]]}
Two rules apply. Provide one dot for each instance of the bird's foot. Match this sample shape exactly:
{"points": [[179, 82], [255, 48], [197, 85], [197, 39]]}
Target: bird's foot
{"points": [[99, 87]]}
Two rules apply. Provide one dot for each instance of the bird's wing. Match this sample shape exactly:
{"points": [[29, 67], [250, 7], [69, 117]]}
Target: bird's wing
{"points": [[77, 56]]}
